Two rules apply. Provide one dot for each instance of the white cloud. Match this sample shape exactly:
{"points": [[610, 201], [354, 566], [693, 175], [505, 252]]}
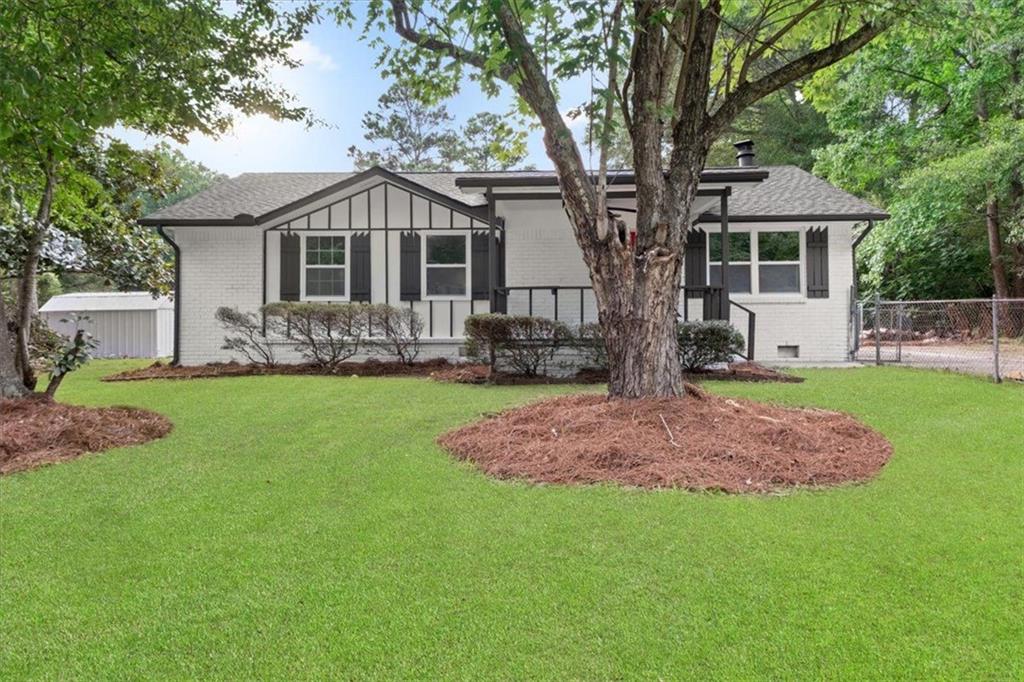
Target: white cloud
{"points": [[310, 55]]}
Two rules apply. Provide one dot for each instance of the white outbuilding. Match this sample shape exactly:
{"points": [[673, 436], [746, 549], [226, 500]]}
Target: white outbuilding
{"points": [[130, 324]]}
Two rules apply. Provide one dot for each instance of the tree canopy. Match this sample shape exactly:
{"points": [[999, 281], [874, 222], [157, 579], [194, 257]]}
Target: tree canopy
{"points": [[929, 124], [72, 70], [406, 133]]}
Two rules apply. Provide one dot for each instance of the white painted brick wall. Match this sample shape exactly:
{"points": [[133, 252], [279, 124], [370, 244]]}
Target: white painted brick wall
{"points": [[221, 266]]}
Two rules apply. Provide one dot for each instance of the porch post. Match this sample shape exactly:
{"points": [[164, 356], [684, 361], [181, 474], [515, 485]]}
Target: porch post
{"points": [[724, 222], [492, 253]]}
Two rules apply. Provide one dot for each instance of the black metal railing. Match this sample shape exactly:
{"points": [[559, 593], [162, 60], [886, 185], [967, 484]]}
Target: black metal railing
{"points": [[570, 304]]}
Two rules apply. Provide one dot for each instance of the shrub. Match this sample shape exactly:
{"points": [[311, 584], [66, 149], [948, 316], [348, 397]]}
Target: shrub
{"points": [[328, 334], [399, 330], [248, 337], [73, 355], [590, 342], [526, 343], [702, 343]]}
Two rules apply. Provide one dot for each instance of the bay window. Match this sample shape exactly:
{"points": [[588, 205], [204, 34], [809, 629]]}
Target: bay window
{"points": [[324, 272], [446, 265]]}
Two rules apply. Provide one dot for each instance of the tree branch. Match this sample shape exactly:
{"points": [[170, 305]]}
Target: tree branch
{"points": [[748, 93], [405, 29]]}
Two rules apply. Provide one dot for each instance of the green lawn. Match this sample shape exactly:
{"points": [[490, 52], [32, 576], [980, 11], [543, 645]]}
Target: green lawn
{"points": [[309, 527]]}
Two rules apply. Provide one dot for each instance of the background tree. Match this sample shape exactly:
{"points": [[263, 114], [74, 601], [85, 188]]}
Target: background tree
{"points": [[929, 124], [411, 135], [488, 142], [73, 69], [680, 73]]}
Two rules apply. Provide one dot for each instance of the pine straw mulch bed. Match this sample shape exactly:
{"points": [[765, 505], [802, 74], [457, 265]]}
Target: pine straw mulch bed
{"points": [[35, 431], [700, 442], [370, 368], [438, 369], [478, 374]]}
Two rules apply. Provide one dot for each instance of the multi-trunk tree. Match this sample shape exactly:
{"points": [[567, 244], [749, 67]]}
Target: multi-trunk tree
{"points": [[677, 73], [73, 69]]}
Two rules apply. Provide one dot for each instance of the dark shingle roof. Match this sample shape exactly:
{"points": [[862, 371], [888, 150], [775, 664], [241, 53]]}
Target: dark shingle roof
{"points": [[788, 191], [792, 191]]}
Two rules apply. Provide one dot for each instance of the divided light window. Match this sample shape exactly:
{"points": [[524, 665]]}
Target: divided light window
{"points": [[445, 268], [325, 267], [778, 262], [739, 261]]}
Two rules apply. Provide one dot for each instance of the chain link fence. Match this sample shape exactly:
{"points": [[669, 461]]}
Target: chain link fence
{"points": [[955, 335]]}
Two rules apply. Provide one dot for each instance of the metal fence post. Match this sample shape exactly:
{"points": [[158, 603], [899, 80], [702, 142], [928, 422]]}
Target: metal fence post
{"points": [[878, 329], [995, 340], [899, 332]]}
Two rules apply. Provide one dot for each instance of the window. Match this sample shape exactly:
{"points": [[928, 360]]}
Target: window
{"points": [[325, 271], [778, 262], [739, 261], [446, 270]]}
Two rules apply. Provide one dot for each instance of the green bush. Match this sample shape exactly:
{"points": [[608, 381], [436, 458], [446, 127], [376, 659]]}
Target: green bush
{"points": [[525, 343], [702, 343], [327, 333]]}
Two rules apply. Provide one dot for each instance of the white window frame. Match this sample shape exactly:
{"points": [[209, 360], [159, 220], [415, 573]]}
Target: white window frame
{"points": [[755, 261], [465, 234], [347, 266], [756, 248], [750, 262]]}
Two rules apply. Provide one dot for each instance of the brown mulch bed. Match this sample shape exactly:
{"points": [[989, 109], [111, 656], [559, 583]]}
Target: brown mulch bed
{"points": [[35, 431], [745, 371], [370, 368], [477, 374], [700, 442]]}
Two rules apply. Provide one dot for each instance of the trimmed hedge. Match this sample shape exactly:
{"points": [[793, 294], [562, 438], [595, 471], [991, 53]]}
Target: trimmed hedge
{"points": [[705, 342], [526, 343]]}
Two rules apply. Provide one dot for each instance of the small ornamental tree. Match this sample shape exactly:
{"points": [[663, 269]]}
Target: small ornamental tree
{"points": [[399, 331], [72, 356], [246, 335], [676, 73]]}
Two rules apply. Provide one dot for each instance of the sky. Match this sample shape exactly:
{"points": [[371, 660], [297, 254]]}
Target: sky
{"points": [[339, 81]]}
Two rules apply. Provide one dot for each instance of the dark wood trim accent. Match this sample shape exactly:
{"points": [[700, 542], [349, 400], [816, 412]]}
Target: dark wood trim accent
{"points": [[792, 218], [714, 175]]}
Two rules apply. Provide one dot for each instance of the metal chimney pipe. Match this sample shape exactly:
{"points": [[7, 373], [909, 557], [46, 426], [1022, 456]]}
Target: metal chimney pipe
{"points": [[745, 153]]}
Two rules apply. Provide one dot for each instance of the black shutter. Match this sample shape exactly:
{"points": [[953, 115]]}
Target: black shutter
{"points": [[360, 254], [817, 262], [410, 267], [696, 259], [480, 266], [290, 253]]}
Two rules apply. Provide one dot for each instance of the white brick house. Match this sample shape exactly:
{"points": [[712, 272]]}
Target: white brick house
{"points": [[451, 244]]}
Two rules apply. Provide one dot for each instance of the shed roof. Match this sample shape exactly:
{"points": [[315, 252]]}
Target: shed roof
{"points": [[104, 300]]}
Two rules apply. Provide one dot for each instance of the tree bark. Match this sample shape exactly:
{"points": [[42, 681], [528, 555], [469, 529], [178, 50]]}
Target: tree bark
{"points": [[11, 385], [995, 250], [28, 295]]}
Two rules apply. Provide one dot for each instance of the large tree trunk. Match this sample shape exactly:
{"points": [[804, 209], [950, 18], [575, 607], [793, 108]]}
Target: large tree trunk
{"points": [[28, 296], [11, 385]]}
